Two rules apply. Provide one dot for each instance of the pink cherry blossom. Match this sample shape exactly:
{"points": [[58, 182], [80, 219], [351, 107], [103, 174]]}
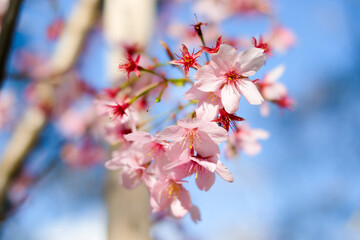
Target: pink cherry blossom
{"points": [[204, 169], [118, 111], [230, 72], [85, 154], [131, 66], [74, 122], [169, 195], [245, 139], [133, 165], [187, 60], [208, 105], [193, 135], [152, 147], [285, 102], [270, 89], [226, 120], [213, 49], [263, 45], [281, 39]]}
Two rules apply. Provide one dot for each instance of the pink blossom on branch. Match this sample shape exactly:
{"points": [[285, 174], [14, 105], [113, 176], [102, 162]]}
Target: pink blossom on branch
{"points": [[168, 195], [213, 49], [204, 169], [187, 60], [208, 103], [245, 139], [131, 65], [229, 72], [193, 135]]}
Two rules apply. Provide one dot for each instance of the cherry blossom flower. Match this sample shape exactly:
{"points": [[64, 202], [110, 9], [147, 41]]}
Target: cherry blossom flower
{"points": [[132, 165], [170, 196], [208, 105], [85, 154], [131, 65], [245, 139], [263, 45], [152, 147], [113, 109], [115, 133], [193, 134], [270, 89], [214, 49], [112, 92], [281, 39], [285, 102], [187, 60], [226, 120], [204, 169], [229, 72], [274, 91], [74, 123]]}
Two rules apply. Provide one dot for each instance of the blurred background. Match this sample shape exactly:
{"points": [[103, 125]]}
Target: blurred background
{"points": [[305, 182]]}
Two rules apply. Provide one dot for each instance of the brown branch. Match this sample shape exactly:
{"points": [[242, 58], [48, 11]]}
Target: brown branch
{"points": [[6, 34], [34, 119]]}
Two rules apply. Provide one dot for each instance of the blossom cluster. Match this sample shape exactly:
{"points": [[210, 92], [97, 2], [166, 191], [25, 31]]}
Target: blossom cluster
{"points": [[190, 147]]}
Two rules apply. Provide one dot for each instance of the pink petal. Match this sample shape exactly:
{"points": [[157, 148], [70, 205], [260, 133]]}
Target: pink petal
{"points": [[249, 90], [205, 179], [176, 163], [140, 136], [177, 210], [113, 165], [251, 148], [207, 80], [224, 59], [207, 146], [190, 123], [224, 172], [194, 94], [216, 133], [172, 133], [264, 109], [129, 179], [250, 61], [195, 214], [230, 98], [160, 195], [177, 150], [274, 91], [207, 111], [208, 165], [274, 74], [184, 198]]}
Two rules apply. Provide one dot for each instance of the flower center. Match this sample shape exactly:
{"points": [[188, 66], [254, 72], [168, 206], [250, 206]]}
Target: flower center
{"points": [[211, 96], [192, 137], [173, 189], [232, 76]]}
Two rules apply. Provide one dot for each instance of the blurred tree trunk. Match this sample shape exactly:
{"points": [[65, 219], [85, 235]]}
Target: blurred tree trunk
{"points": [[126, 21], [34, 119], [8, 26]]}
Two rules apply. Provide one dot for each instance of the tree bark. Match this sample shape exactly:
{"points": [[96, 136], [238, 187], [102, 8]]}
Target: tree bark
{"points": [[126, 22], [8, 26]]}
